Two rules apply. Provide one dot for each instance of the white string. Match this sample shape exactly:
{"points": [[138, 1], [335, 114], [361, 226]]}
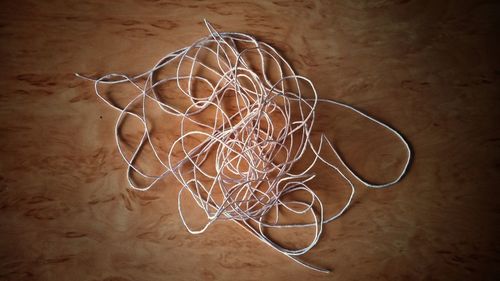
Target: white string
{"points": [[255, 150]]}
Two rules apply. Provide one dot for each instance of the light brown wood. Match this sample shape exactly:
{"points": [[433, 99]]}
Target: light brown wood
{"points": [[428, 68]]}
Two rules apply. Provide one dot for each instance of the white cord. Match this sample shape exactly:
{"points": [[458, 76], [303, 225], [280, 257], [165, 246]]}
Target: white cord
{"points": [[256, 148]]}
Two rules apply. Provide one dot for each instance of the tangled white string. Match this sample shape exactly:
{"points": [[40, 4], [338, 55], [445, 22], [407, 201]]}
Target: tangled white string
{"points": [[244, 168]]}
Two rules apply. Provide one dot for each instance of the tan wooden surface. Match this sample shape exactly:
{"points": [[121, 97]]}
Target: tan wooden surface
{"points": [[429, 68]]}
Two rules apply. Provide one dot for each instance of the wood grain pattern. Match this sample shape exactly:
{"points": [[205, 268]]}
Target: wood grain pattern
{"points": [[429, 68]]}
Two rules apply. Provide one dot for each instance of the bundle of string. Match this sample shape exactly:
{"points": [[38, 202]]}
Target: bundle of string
{"points": [[255, 148]]}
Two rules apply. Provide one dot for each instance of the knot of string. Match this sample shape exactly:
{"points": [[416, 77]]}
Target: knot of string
{"points": [[248, 157]]}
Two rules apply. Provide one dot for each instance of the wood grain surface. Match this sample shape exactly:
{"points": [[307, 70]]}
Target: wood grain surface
{"points": [[429, 68]]}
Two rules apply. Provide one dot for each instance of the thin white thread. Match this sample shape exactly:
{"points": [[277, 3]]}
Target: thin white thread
{"points": [[250, 182]]}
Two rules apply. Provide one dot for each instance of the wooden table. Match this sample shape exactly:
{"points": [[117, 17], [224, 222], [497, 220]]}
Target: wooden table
{"points": [[429, 68]]}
